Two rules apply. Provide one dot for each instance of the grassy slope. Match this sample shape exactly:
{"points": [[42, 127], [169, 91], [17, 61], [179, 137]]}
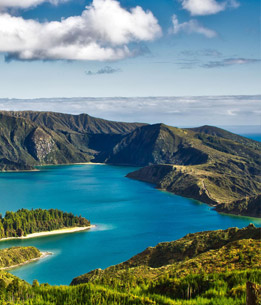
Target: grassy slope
{"points": [[230, 173], [203, 268], [210, 249]]}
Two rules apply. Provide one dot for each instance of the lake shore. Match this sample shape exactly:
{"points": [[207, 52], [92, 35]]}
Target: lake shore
{"points": [[54, 232], [66, 164], [46, 165], [43, 255]]}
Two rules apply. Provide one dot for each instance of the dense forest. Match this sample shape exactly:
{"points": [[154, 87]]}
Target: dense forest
{"points": [[23, 222]]}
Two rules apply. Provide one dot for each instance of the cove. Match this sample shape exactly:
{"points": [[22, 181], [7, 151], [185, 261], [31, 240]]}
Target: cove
{"points": [[130, 216]]}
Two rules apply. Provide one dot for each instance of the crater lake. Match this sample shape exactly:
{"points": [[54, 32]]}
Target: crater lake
{"points": [[129, 217]]}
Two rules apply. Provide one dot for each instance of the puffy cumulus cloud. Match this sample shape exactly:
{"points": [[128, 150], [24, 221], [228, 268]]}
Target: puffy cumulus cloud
{"points": [[191, 27], [175, 111], [102, 32], [26, 3], [207, 7]]}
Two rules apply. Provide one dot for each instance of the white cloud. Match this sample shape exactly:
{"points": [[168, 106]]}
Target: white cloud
{"points": [[191, 27], [207, 7], [175, 111], [102, 32], [26, 3]]}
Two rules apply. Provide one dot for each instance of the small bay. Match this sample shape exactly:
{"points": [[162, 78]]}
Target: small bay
{"points": [[130, 216]]}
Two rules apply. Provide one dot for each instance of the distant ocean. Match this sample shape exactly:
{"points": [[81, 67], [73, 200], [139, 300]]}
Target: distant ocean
{"points": [[256, 137], [249, 131]]}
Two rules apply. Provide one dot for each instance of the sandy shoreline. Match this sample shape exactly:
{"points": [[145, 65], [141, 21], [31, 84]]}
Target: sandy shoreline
{"points": [[20, 171], [43, 255], [54, 232], [65, 164]]}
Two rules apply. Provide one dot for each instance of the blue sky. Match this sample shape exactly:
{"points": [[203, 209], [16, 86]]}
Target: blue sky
{"points": [[111, 48]]}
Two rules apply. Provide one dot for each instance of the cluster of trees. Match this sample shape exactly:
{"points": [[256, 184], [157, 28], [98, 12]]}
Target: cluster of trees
{"points": [[23, 222], [227, 288], [17, 255]]}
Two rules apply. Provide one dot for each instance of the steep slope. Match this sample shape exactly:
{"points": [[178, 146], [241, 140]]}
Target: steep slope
{"points": [[157, 144], [213, 131], [82, 123], [29, 138], [212, 169], [24, 145], [204, 184], [209, 251], [249, 206], [212, 267], [227, 142], [13, 153], [206, 163]]}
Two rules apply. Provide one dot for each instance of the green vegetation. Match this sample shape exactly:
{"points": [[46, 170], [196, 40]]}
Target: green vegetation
{"points": [[23, 222], [28, 138], [17, 255], [218, 168], [206, 163], [209, 251], [210, 268], [211, 289]]}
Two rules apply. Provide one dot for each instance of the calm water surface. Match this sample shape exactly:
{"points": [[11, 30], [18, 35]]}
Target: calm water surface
{"points": [[129, 215]]}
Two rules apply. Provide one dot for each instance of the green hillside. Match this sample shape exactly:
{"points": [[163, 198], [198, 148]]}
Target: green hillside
{"points": [[207, 163], [30, 138], [208, 251], [209, 267]]}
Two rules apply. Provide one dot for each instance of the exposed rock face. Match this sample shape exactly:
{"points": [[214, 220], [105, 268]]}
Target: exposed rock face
{"points": [[41, 144]]}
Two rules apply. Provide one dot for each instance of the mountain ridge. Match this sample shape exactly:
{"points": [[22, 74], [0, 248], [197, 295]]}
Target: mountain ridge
{"points": [[205, 163]]}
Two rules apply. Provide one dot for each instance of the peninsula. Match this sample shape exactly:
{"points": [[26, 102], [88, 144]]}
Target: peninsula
{"points": [[35, 223], [207, 163], [18, 256]]}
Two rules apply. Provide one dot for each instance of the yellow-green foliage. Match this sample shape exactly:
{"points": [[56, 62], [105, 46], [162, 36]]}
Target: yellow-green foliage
{"points": [[205, 276], [216, 289], [17, 255]]}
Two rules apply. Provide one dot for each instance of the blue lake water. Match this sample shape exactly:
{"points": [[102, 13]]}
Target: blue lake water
{"points": [[130, 216]]}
